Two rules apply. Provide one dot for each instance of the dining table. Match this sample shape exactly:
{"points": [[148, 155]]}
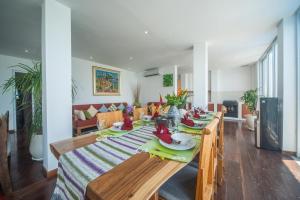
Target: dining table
{"points": [[127, 174]]}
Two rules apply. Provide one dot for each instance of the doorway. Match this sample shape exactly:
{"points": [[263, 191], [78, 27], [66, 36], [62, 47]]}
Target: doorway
{"points": [[24, 171]]}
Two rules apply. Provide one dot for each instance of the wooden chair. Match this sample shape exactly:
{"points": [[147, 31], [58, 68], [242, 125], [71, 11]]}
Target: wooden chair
{"points": [[110, 117], [195, 183], [220, 166], [4, 171], [137, 113]]}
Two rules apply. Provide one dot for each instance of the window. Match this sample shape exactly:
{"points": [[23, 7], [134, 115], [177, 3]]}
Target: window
{"points": [[267, 72]]}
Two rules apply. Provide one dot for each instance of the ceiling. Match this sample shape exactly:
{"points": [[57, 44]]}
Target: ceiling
{"points": [[113, 32]]}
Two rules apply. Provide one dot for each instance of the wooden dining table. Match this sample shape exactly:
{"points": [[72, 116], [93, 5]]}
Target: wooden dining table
{"points": [[138, 177]]}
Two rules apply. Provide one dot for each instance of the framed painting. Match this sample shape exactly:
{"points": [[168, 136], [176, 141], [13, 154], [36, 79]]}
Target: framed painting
{"points": [[106, 82]]}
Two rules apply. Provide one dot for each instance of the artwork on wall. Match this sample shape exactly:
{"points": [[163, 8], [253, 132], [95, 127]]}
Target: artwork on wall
{"points": [[106, 82], [168, 80]]}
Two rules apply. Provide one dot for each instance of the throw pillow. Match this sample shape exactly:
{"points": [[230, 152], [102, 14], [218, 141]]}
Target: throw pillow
{"points": [[87, 114], [92, 111], [112, 108], [80, 114], [103, 109], [121, 107]]}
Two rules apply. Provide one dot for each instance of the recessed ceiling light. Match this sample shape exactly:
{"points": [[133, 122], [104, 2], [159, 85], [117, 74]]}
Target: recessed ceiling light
{"points": [[91, 57], [26, 51], [146, 32], [130, 58]]}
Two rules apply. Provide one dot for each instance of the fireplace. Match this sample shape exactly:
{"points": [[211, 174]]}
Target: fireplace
{"points": [[232, 108]]}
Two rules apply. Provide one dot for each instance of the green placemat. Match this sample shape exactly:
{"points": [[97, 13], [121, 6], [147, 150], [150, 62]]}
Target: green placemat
{"points": [[110, 133], [156, 149], [189, 130]]}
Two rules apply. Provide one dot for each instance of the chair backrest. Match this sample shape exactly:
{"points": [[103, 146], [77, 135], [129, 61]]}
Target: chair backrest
{"points": [[4, 172], [110, 117], [206, 171], [221, 134], [137, 113]]}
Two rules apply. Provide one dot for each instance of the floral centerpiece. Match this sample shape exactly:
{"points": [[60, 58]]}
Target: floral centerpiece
{"points": [[175, 102]]}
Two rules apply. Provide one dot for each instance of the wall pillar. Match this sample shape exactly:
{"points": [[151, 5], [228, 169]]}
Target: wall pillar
{"points": [[56, 74], [200, 75], [287, 81]]}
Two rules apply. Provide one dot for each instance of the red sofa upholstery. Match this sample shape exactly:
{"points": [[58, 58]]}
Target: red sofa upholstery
{"points": [[78, 124]]}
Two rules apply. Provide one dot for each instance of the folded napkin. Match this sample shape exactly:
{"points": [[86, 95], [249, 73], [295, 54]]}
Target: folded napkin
{"points": [[185, 120], [196, 115], [162, 132], [127, 123]]}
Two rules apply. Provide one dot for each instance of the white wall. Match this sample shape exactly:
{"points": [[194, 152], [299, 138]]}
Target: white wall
{"points": [[7, 99], [152, 87], [82, 75], [230, 84], [287, 81]]}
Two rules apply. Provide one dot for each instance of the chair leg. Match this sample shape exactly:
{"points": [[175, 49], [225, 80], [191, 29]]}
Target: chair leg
{"points": [[155, 196], [5, 178], [78, 131]]}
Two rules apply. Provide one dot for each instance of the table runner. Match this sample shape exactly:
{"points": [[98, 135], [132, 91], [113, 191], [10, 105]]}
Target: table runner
{"points": [[80, 166]]}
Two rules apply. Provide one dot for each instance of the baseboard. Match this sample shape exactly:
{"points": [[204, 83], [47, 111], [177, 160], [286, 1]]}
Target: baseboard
{"points": [[49, 174]]}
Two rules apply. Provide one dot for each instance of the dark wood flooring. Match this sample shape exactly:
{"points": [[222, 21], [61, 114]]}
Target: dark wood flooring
{"points": [[24, 171], [250, 173]]}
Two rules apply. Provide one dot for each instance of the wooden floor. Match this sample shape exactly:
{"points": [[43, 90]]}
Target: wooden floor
{"points": [[250, 173]]}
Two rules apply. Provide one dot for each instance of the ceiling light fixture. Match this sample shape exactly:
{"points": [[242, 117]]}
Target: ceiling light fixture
{"points": [[130, 58], [91, 57], [146, 32], [26, 51]]}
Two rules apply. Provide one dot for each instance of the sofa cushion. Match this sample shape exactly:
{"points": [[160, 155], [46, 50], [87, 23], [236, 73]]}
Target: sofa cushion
{"points": [[80, 114], [103, 109], [112, 108], [87, 115], [121, 107], [92, 111]]}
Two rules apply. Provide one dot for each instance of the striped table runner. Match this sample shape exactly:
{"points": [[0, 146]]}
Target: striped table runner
{"points": [[80, 166]]}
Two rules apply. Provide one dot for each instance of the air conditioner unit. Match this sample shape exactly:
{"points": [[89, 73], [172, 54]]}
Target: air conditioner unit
{"points": [[151, 72]]}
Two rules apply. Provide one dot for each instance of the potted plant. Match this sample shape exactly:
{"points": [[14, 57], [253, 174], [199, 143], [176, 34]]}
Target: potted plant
{"points": [[173, 101], [250, 99], [30, 84]]}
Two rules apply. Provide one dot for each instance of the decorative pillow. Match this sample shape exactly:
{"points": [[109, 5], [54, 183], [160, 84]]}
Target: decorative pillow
{"points": [[151, 107], [121, 107], [80, 114], [103, 109], [87, 114], [92, 111], [112, 108]]}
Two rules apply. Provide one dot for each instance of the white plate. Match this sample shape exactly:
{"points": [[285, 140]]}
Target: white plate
{"points": [[114, 129], [179, 147]]}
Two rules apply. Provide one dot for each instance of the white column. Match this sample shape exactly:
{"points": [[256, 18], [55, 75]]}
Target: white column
{"points": [[175, 79], [215, 76], [200, 75], [56, 73], [287, 81]]}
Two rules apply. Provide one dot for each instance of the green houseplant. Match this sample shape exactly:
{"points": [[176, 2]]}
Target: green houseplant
{"points": [[250, 99], [30, 84]]}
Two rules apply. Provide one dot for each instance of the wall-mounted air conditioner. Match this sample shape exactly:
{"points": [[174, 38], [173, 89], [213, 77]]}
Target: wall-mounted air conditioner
{"points": [[151, 72]]}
